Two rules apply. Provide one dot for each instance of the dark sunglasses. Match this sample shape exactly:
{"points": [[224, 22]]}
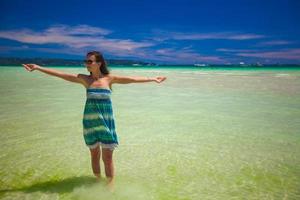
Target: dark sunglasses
{"points": [[88, 61]]}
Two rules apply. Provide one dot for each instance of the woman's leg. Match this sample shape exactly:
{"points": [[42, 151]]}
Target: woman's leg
{"points": [[107, 157], [95, 160]]}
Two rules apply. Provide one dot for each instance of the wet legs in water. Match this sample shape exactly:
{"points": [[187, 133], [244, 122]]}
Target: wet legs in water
{"points": [[109, 166], [107, 157], [95, 161]]}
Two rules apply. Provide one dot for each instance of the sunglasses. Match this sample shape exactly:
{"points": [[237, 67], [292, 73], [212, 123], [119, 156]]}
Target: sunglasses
{"points": [[88, 61]]}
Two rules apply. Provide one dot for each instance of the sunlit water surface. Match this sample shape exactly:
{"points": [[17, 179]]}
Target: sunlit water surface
{"points": [[201, 134]]}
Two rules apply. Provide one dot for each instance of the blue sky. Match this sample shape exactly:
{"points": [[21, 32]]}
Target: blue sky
{"points": [[168, 32]]}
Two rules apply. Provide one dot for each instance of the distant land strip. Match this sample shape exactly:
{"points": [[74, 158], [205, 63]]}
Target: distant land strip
{"points": [[15, 61]]}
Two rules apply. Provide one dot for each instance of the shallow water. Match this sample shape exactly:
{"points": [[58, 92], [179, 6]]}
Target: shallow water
{"points": [[201, 134]]}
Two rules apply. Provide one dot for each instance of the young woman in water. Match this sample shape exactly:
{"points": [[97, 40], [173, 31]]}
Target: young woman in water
{"points": [[98, 118]]}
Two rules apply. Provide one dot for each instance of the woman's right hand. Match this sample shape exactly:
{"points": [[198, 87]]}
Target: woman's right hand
{"points": [[31, 67]]}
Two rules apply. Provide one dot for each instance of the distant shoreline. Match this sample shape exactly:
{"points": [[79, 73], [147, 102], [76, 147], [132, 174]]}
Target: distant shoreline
{"points": [[183, 67], [52, 62]]}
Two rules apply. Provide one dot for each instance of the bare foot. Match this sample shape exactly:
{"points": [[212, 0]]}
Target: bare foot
{"points": [[111, 184], [98, 177]]}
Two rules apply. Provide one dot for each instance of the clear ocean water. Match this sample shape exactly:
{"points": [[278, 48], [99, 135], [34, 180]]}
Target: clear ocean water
{"points": [[201, 134]]}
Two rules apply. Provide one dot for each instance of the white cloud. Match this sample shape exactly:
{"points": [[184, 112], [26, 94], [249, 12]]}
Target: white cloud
{"points": [[235, 50], [165, 35], [77, 30], [76, 40], [77, 37], [287, 54], [274, 43], [185, 55]]}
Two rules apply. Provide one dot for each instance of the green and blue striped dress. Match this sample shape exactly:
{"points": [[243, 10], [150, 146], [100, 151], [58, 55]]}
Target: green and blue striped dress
{"points": [[98, 119]]}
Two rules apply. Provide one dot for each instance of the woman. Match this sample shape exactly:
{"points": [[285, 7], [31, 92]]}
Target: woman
{"points": [[98, 120]]}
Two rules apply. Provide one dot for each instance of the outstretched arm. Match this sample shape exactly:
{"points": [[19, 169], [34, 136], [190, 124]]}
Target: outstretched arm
{"points": [[69, 77], [136, 79]]}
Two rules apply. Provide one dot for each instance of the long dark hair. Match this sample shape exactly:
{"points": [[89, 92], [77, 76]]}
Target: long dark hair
{"points": [[99, 58]]}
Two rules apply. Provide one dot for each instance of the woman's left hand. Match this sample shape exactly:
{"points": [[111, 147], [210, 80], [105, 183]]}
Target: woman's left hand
{"points": [[159, 79]]}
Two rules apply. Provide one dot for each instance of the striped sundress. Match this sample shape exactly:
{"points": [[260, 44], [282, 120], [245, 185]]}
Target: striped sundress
{"points": [[98, 119]]}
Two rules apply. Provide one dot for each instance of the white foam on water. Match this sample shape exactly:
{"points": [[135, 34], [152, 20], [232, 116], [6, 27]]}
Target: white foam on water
{"points": [[282, 75], [225, 73]]}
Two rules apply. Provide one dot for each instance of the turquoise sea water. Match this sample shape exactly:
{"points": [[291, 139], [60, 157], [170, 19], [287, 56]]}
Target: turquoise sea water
{"points": [[201, 134]]}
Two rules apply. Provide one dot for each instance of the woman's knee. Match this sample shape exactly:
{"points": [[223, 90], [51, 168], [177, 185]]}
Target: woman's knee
{"points": [[95, 153], [107, 159], [107, 156]]}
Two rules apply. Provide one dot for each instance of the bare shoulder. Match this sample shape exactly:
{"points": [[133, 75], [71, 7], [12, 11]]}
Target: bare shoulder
{"points": [[84, 78], [114, 78], [111, 77]]}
